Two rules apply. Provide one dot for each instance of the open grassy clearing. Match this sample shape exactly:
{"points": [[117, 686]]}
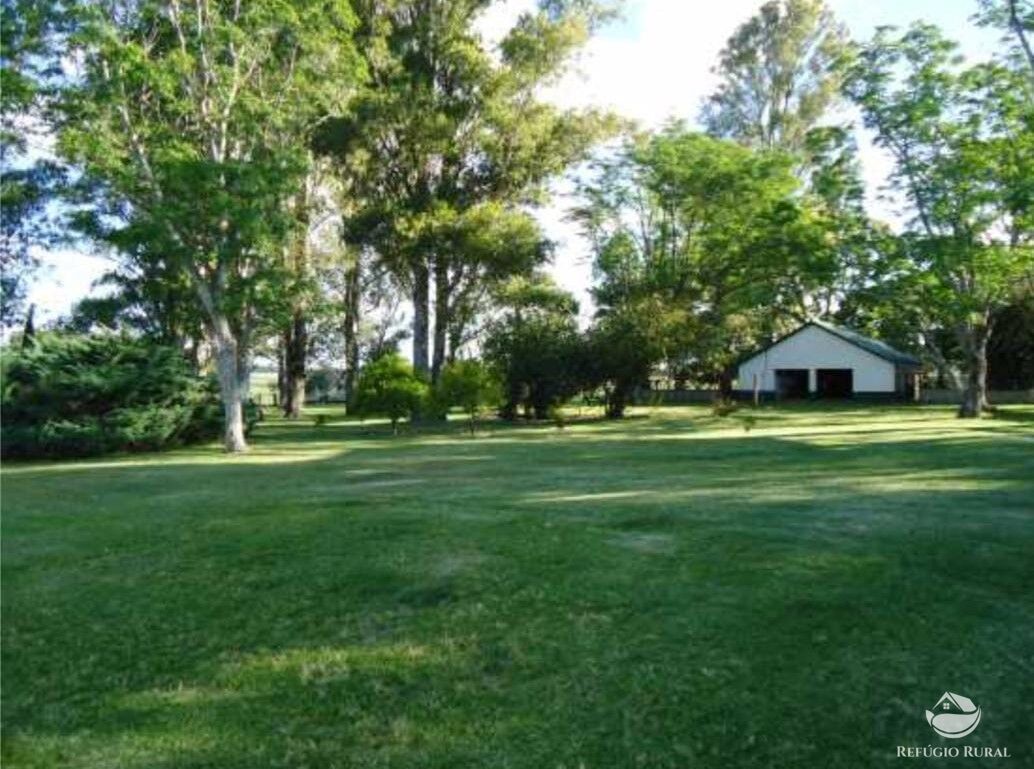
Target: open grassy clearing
{"points": [[668, 591]]}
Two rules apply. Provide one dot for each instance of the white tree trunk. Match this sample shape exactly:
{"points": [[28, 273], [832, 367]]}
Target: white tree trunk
{"points": [[231, 396], [231, 363]]}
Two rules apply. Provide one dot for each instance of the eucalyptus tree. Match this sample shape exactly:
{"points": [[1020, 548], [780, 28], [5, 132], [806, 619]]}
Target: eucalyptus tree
{"points": [[962, 141], [190, 121], [778, 75], [449, 133]]}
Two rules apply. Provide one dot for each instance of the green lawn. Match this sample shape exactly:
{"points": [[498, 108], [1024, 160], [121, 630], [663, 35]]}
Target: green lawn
{"points": [[669, 591]]}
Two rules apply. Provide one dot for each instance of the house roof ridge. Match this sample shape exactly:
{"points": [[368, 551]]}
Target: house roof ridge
{"points": [[869, 344]]}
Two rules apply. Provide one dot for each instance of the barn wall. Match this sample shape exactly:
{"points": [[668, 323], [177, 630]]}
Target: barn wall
{"points": [[812, 348]]}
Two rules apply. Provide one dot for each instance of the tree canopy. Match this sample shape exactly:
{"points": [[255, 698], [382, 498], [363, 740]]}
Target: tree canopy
{"points": [[190, 125], [777, 75], [962, 140]]}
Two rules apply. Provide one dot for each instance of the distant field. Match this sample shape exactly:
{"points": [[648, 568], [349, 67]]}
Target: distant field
{"points": [[263, 386], [789, 589]]}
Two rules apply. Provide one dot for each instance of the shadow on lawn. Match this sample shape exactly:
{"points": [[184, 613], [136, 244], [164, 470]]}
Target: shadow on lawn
{"points": [[531, 601]]}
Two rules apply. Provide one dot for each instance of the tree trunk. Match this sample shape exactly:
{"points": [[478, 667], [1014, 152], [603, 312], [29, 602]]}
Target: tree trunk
{"points": [[30, 327], [511, 407], [281, 370], [725, 383], [974, 343], [353, 309], [421, 317], [617, 401], [244, 375], [230, 353], [227, 366], [946, 373], [455, 341], [296, 345], [194, 355], [441, 317], [296, 338]]}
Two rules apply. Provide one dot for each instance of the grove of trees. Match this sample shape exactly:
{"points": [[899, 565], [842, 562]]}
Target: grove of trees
{"points": [[306, 181]]}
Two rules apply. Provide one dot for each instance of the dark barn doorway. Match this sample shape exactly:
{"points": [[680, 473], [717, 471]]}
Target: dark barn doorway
{"points": [[791, 383], [834, 382]]}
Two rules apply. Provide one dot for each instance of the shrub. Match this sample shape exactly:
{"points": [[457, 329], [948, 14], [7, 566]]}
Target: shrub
{"points": [[540, 360], [389, 387], [469, 384], [624, 346], [72, 395]]}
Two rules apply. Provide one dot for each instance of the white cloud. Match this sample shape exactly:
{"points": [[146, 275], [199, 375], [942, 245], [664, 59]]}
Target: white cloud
{"points": [[663, 68], [65, 276]]}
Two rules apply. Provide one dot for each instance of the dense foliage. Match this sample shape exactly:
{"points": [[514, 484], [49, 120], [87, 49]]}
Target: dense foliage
{"points": [[713, 230], [69, 395], [624, 346], [299, 181], [469, 384], [389, 387], [962, 141], [536, 347]]}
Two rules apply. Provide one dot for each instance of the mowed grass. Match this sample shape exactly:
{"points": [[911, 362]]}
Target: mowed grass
{"points": [[673, 590]]}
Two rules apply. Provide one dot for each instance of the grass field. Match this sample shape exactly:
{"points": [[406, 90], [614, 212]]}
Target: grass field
{"points": [[674, 590]]}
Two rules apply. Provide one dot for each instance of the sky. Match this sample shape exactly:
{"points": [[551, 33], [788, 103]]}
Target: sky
{"points": [[651, 65]]}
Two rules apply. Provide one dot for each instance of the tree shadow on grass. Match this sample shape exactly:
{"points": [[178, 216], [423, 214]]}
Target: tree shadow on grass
{"points": [[496, 614], [1021, 415]]}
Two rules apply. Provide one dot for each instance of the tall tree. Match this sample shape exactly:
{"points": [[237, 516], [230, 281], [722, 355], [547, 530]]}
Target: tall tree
{"points": [[962, 141], [315, 246], [777, 75], [710, 227], [449, 133], [191, 121]]}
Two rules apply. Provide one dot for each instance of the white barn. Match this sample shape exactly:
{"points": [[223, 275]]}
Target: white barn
{"points": [[826, 361]]}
